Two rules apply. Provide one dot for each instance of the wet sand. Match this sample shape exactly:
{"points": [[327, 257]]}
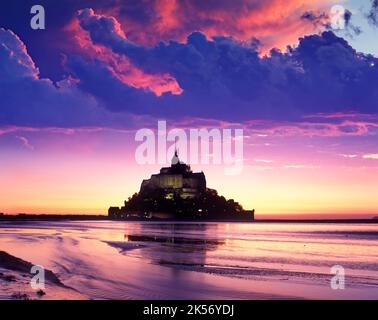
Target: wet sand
{"points": [[141, 260], [15, 279]]}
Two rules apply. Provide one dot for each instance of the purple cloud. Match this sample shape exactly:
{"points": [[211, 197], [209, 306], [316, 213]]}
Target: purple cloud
{"points": [[220, 79], [29, 100], [227, 79], [372, 16]]}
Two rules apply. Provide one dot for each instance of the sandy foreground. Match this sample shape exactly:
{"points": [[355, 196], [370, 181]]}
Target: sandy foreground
{"points": [[118, 260], [15, 282]]}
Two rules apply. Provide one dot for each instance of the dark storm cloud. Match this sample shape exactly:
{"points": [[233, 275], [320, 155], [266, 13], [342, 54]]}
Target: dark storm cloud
{"points": [[322, 20], [354, 30], [221, 78], [26, 99], [226, 79], [318, 19], [372, 16]]}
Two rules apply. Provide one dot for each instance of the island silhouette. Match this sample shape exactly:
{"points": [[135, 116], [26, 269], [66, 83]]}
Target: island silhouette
{"points": [[177, 192]]}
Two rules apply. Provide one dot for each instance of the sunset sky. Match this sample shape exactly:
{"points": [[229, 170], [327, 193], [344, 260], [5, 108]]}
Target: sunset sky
{"points": [[73, 95]]}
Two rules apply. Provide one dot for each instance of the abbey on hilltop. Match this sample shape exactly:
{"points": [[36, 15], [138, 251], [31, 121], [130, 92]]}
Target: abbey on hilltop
{"points": [[179, 193], [176, 180]]}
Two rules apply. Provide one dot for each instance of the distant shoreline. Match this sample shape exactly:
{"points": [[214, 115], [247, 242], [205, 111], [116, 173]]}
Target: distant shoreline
{"points": [[57, 217]]}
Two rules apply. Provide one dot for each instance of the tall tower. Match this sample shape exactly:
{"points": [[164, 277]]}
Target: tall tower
{"points": [[175, 158]]}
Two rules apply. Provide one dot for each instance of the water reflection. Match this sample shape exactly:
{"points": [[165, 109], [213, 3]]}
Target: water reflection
{"points": [[200, 261], [175, 244]]}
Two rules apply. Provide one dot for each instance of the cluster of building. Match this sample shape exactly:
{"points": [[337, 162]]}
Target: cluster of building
{"points": [[175, 182]]}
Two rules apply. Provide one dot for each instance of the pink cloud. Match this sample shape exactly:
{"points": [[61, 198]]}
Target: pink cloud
{"points": [[275, 23], [25, 142], [119, 65], [373, 156], [324, 129]]}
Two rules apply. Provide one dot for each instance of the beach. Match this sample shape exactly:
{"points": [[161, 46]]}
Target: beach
{"points": [[188, 260]]}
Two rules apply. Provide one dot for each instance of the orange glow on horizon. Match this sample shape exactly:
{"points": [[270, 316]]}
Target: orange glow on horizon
{"points": [[86, 172]]}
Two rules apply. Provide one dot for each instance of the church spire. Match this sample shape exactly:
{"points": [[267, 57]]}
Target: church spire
{"points": [[175, 158]]}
